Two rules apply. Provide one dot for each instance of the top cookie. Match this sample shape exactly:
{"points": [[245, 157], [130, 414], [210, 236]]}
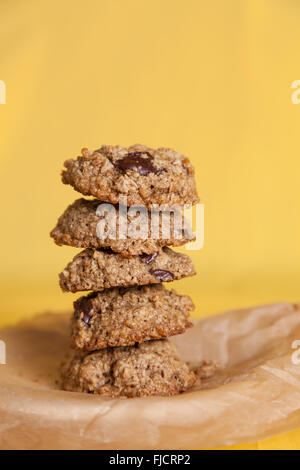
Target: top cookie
{"points": [[145, 176]]}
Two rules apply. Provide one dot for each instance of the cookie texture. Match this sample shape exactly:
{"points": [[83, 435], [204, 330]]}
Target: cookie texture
{"points": [[145, 176], [125, 316], [205, 369], [101, 269], [90, 224], [151, 368]]}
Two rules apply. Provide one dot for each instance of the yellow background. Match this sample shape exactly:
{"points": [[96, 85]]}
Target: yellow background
{"points": [[210, 79]]}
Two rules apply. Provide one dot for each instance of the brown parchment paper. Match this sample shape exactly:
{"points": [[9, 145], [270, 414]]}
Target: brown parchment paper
{"points": [[256, 394]]}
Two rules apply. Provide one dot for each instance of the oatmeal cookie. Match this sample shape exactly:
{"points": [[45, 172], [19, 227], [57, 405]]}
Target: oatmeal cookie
{"points": [[124, 316], [101, 269], [145, 176], [85, 224], [151, 368]]}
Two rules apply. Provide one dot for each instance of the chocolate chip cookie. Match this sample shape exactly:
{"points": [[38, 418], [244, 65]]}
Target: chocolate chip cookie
{"points": [[151, 368], [145, 176], [90, 224], [101, 269], [124, 316]]}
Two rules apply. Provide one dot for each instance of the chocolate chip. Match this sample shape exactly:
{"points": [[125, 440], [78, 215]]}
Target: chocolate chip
{"points": [[162, 275], [107, 250], [84, 305], [86, 318], [149, 258], [134, 160]]}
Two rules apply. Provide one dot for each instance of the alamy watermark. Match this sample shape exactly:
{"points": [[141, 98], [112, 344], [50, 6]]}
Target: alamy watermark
{"points": [[2, 92], [2, 352], [295, 97], [141, 223], [296, 353]]}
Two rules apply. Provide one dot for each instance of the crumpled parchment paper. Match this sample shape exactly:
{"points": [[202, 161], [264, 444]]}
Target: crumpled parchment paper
{"points": [[255, 394]]}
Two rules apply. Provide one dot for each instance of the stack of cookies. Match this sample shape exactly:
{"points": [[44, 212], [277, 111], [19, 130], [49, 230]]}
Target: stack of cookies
{"points": [[119, 330]]}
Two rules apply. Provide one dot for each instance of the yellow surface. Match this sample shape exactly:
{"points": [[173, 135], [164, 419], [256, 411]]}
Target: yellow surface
{"points": [[211, 79]]}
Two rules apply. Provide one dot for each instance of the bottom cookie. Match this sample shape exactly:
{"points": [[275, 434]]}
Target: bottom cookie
{"points": [[150, 368]]}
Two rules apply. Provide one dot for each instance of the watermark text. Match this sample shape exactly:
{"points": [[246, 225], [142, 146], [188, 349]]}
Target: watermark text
{"points": [[157, 223], [295, 97], [296, 354], [2, 92], [2, 352]]}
